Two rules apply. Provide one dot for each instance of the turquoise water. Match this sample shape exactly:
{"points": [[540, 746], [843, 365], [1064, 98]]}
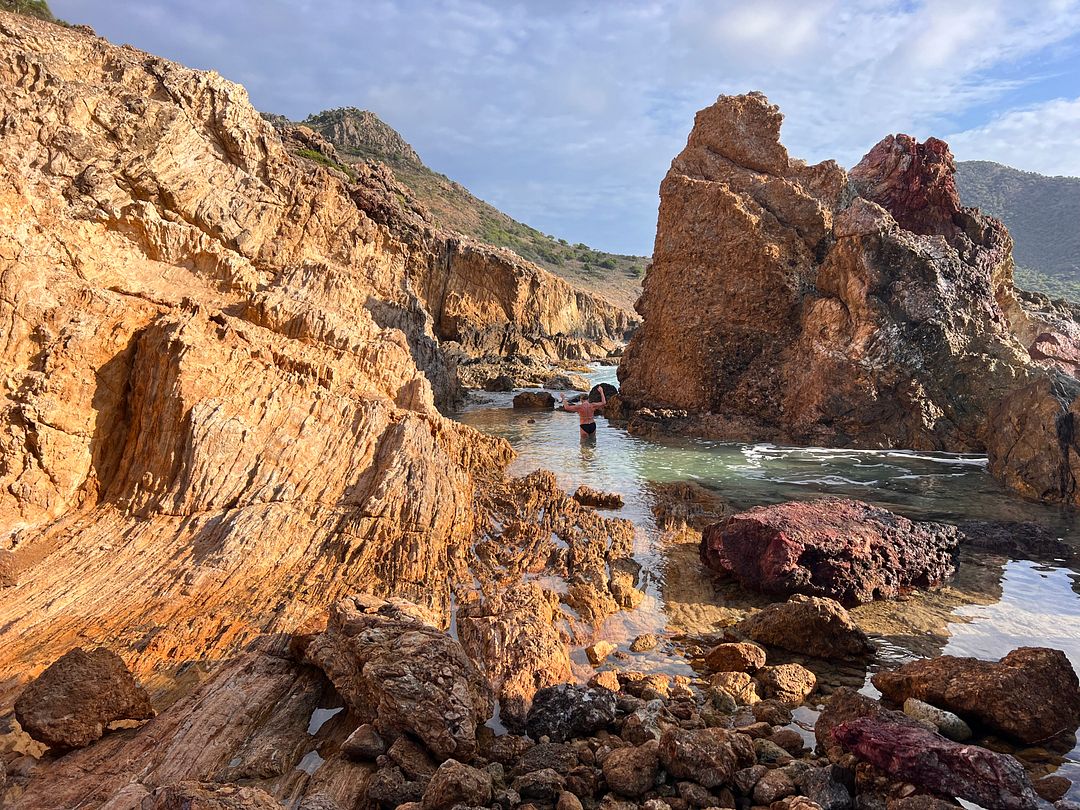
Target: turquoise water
{"points": [[994, 605]]}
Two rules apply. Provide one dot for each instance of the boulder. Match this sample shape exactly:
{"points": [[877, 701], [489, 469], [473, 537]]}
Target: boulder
{"points": [[844, 705], [565, 711], [455, 784], [534, 400], [72, 702], [838, 548], [631, 771], [608, 389], [788, 683], [809, 625], [501, 383], [394, 669], [708, 756], [587, 496], [364, 743], [1031, 694], [735, 657], [926, 759]]}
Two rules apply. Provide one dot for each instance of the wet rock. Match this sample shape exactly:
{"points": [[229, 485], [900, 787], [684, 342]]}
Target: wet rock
{"points": [[924, 758], [788, 683], [364, 743], [632, 771], [564, 711], [71, 703], [1052, 788], [596, 653], [503, 382], [1017, 539], [1031, 694], [587, 496], [403, 675], [644, 643], [773, 786], [209, 796], [516, 636], [455, 783], [947, 723], [534, 400], [845, 705], [709, 757], [809, 625], [838, 548], [735, 657], [739, 685]]}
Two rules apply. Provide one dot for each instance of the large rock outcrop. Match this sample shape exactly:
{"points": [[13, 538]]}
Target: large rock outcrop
{"points": [[799, 304]]}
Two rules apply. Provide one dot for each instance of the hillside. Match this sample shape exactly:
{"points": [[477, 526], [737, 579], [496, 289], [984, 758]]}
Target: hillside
{"points": [[1043, 216], [360, 135]]}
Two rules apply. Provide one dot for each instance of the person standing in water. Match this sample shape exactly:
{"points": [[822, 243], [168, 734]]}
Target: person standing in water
{"points": [[586, 412]]}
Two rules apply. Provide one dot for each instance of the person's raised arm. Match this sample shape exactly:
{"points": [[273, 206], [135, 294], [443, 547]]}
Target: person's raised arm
{"points": [[566, 406], [603, 399]]}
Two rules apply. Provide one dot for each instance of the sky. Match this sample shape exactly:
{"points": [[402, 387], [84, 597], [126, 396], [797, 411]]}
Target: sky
{"points": [[566, 115]]}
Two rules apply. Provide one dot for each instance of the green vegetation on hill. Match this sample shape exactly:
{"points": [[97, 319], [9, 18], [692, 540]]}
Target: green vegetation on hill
{"points": [[31, 8], [1042, 214], [361, 135]]}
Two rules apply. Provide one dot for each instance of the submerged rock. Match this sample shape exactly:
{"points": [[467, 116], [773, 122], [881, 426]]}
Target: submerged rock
{"points": [[994, 781], [809, 625], [394, 669], [1031, 694], [833, 547], [71, 703]]}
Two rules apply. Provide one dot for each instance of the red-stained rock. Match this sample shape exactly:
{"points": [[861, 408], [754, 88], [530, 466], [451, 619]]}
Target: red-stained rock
{"points": [[994, 781], [834, 547], [1031, 694]]}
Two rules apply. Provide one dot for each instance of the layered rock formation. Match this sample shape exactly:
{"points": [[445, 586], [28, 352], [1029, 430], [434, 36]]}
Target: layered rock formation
{"points": [[799, 304]]}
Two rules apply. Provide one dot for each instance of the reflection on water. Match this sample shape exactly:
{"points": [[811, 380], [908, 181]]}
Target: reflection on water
{"points": [[993, 605]]}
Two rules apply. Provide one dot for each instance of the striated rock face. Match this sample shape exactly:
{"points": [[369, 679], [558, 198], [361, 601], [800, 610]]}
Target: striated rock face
{"points": [[398, 672], [73, 701], [1031, 694], [799, 304], [838, 548]]}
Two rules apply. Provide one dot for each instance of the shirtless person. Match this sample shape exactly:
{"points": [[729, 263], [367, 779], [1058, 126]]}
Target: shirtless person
{"points": [[585, 411]]}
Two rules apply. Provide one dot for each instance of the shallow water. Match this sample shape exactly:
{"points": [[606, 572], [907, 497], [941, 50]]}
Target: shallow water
{"points": [[994, 604]]}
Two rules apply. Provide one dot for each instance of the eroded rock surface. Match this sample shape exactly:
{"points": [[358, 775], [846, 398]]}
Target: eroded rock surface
{"points": [[806, 306], [809, 625], [838, 548]]}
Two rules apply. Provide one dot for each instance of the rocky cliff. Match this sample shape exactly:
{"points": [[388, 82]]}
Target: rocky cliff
{"points": [[804, 305], [221, 365]]}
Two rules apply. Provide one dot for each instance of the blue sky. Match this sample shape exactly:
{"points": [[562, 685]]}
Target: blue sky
{"points": [[567, 114]]}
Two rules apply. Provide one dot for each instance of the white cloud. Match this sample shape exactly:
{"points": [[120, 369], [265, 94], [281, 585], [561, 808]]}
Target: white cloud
{"points": [[1040, 138], [568, 114]]}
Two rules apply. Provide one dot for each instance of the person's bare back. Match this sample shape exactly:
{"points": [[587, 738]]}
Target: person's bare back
{"points": [[586, 412]]}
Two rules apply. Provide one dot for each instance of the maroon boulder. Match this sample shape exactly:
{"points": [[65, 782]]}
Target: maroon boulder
{"points": [[1031, 694], [994, 781], [847, 550]]}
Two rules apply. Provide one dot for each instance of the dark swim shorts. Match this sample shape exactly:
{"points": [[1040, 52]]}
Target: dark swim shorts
{"points": [[589, 427]]}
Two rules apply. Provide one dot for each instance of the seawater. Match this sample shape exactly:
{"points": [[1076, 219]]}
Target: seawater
{"points": [[994, 605]]}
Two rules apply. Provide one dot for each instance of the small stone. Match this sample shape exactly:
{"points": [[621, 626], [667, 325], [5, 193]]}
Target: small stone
{"points": [[644, 643], [789, 683], [456, 783], [773, 786], [632, 771], [599, 651], [1052, 788], [608, 679], [695, 795], [364, 743], [543, 785], [945, 722], [735, 657]]}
